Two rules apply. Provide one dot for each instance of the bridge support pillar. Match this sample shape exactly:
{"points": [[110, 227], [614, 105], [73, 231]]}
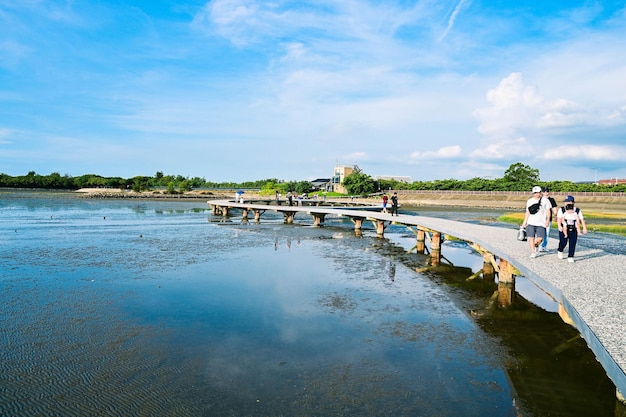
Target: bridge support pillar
{"points": [[435, 241], [245, 213], [421, 241], [257, 214], [224, 211], [358, 222], [318, 219], [565, 315], [489, 271], [289, 215], [435, 248], [380, 227], [506, 284]]}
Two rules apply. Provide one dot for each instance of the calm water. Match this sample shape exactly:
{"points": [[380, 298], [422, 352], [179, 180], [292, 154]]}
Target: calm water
{"points": [[144, 308]]}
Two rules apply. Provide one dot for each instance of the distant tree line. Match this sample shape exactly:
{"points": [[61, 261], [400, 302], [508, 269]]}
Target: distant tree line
{"points": [[518, 177], [171, 183]]}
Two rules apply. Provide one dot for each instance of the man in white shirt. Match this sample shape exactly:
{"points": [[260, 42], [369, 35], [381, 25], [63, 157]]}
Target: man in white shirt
{"points": [[536, 219]]}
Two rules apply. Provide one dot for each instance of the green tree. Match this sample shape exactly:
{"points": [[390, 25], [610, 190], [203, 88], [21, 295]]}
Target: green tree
{"points": [[140, 183], [478, 184], [392, 184], [271, 187], [303, 187], [290, 186], [521, 174], [448, 184], [184, 186], [359, 183]]}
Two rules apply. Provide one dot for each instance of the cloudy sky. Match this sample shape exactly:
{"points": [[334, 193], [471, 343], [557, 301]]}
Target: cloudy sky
{"points": [[237, 90]]}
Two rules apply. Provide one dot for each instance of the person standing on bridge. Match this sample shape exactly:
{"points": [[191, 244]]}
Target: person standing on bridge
{"points": [[394, 204], [569, 220], [536, 219], [385, 199]]}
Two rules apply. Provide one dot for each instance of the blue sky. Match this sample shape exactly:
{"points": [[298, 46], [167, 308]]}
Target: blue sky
{"points": [[237, 90]]}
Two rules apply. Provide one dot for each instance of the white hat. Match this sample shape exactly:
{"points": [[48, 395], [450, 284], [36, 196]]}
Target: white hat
{"points": [[536, 189]]}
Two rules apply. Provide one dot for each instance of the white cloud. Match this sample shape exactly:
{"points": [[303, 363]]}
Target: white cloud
{"points": [[245, 22], [586, 152], [355, 157], [561, 113], [618, 116], [447, 152], [505, 149], [6, 135], [518, 110], [514, 104], [455, 13], [481, 168]]}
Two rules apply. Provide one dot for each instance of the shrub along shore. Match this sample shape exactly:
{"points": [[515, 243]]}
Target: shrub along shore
{"points": [[603, 213], [600, 202]]}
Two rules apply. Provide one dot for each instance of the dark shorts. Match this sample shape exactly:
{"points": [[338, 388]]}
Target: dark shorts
{"points": [[535, 231]]}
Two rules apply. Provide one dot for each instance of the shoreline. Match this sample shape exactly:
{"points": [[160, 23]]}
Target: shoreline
{"points": [[510, 201], [514, 201]]}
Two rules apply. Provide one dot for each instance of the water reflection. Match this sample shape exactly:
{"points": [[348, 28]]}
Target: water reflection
{"points": [[551, 368], [225, 318]]}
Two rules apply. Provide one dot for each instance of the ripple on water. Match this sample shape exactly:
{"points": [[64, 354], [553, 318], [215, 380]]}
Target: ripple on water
{"points": [[75, 355]]}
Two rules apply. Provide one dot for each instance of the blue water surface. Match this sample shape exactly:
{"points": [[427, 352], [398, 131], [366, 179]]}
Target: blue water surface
{"points": [[128, 307]]}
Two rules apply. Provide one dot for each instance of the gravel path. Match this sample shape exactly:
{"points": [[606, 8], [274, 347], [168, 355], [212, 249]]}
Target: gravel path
{"points": [[592, 290]]}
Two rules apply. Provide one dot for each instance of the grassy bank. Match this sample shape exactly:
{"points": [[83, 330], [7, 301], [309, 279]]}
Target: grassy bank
{"points": [[616, 225], [513, 200]]}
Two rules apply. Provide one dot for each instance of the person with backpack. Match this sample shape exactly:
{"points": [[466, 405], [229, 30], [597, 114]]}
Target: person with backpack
{"points": [[569, 220], [536, 219], [553, 208]]}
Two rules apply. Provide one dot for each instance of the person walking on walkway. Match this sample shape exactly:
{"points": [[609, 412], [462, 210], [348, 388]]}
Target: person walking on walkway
{"points": [[385, 199], [394, 204], [553, 207], [569, 220], [536, 219]]}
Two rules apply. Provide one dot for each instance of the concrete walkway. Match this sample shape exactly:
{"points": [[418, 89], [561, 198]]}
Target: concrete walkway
{"points": [[592, 290]]}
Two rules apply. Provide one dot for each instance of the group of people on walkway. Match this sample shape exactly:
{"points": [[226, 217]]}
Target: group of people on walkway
{"points": [[394, 203], [541, 211]]}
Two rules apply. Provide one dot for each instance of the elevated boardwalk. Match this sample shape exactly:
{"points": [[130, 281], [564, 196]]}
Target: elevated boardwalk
{"points": [[591, 292]]}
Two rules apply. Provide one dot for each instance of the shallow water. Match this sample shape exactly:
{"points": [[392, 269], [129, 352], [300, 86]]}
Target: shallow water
{"points": [[159, 308]]}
